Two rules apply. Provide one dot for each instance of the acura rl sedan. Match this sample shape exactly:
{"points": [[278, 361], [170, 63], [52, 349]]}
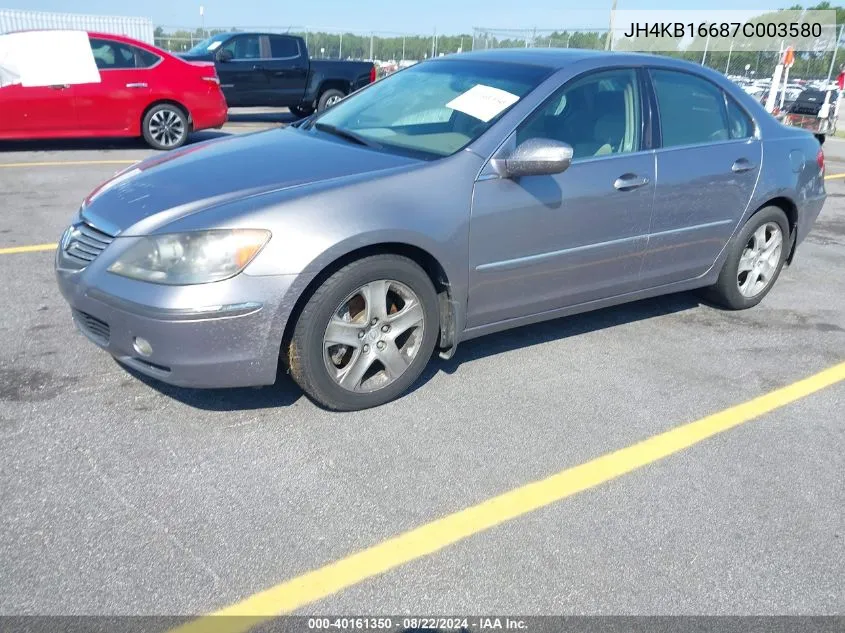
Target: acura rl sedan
{"points": [[462, 196]]}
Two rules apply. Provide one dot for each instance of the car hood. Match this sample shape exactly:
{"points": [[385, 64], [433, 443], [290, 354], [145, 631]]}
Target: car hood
{"points": [[181, 182]]}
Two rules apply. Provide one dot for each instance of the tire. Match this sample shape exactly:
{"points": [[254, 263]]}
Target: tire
{"points": [[301, 111], [165, 127], [736, 291], [320, 367], [329, 98]]}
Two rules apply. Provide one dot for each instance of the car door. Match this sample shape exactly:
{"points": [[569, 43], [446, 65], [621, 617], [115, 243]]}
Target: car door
{"points": [[116, 104], [707, 168], [541, 243], [31, 112], [287, 70], [239, 68]]}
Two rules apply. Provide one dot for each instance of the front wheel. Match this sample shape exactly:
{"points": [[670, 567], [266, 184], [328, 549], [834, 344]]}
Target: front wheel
{"points": [[366, 334], [755, 259], [165, 127]]}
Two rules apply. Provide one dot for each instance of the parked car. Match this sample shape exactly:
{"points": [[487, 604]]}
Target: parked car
{"points": [[353, 244], [136, 90], [272, 69], [814, 110]]}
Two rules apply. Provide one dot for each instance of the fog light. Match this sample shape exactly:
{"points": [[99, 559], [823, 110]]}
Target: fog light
{"points": [[142, 346]]}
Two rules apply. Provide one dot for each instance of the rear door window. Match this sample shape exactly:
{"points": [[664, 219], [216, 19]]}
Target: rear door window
{"points": [[692, 110], [112, 55], [282, 47]]}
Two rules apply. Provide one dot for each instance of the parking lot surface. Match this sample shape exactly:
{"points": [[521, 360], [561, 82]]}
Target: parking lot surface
{"points": [[124, 496]]}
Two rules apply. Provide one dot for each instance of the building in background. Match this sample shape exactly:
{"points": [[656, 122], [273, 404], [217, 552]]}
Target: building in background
{"points": [[135, 27]]}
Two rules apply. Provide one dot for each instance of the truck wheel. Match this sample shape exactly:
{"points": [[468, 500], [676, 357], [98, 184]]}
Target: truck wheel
{"points": [[165, 127], [366, 334], [329, 98], [302, 111]]}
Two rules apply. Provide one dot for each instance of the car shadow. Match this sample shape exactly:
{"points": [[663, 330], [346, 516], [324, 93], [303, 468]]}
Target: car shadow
{"points": [[285, 392], [557, 329], [262, 116], [72, 145]]}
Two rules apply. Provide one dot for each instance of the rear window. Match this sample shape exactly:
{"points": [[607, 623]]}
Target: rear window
{"points": [[692, 110]]}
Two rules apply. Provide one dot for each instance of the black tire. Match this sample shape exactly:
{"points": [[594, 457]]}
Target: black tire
{"points": [[302, 111], [328, 95], [726, 291], [305, 356], [151, 126]]}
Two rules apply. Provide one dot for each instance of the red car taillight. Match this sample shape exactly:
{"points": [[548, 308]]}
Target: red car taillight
{"points": [[820, 159], [372, 74], [213, 80]]}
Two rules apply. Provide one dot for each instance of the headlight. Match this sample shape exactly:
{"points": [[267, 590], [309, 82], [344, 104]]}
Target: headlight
{"points": [[191, 258]]}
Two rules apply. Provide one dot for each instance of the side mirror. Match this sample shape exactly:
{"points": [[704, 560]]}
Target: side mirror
{"points": [[535, 157], [224, 55]]}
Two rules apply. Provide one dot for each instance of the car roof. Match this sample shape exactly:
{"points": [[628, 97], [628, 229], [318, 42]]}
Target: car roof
{"points": [[557, 58]]}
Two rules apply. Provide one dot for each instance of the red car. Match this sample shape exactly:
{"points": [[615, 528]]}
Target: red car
{"points": [[143, 91]]}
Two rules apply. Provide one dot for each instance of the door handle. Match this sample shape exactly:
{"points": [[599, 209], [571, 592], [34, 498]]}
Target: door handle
{"points": [[627, 182], [60, 87], [137, 85], [741, 165], [258, 67]]}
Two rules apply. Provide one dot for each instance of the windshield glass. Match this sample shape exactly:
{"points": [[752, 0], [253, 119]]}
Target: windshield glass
{"points": [[436, 108], [208, 45]]}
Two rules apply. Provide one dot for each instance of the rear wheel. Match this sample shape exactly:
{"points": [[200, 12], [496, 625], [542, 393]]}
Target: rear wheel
{"points": [[755, 259], [366, 334], [329, 98], [165, 126]]}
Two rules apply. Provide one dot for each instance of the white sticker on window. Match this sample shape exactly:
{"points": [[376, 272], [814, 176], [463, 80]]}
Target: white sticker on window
{"points": [[483, 102], [213, 46]]}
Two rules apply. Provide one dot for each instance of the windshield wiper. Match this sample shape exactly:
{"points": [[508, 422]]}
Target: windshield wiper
{"points": [[347, 134]]}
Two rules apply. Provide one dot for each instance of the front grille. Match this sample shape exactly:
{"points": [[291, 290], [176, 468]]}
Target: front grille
{"points": [[92, 326], [85, 243]]}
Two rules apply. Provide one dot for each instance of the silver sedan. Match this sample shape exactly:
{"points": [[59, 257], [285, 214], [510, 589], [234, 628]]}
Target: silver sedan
{"points": [[462, 196]]}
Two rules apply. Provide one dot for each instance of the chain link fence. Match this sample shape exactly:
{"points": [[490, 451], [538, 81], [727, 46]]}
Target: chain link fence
{"points": [[822, 64]]}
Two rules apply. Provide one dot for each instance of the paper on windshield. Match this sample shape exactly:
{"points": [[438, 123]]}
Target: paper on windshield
{"points": [[29, 58], [214, 46], [483, 102]]}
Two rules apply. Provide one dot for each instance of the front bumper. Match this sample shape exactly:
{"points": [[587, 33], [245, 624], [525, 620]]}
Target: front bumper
{"points": [[221, 340]]}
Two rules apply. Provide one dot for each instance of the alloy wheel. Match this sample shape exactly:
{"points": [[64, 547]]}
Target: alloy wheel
{"points": [[166, 128], [760, 259], [373, 336]]}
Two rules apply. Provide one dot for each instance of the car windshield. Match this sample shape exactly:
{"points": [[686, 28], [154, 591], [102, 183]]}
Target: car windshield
{"points": [[208, 45], [433, 109]]}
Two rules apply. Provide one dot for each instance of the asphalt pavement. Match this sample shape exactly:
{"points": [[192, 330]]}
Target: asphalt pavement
{"points": [[124, 496]]}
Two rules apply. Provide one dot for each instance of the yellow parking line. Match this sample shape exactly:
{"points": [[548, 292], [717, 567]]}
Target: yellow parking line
{"points": [[432, 537], [70, 163], [832, 176], [32, 248]]}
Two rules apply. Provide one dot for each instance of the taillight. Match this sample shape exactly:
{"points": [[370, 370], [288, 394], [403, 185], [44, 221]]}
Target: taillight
{"points": [[213, 80], [372, 74], [820, 159]]}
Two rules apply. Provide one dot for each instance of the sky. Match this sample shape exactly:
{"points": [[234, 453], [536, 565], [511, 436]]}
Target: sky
{"points": [[398, 16]]}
